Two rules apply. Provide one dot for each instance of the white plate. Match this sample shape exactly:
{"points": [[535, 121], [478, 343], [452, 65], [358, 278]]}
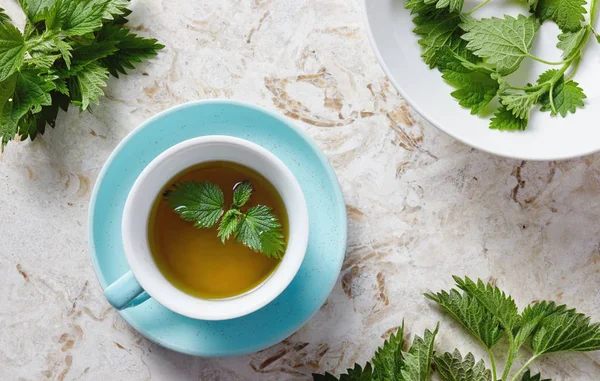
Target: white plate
{"points": [[389, 27]]}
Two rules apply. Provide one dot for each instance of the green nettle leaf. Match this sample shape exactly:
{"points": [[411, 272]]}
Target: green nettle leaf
{"points": [[531, 318], [260, 230], [568, 14], [569, 41], [35, 10], [505, 120], [12, 50], [417, 362], [499, 304], [229, 223], [87, 85], [532, 4], [115, 9], [130, 48], [566, 97], [471, 314], [520, 103], [564, 331], [503, 42], [8, 125], [528, 377], [241, 193], [452, 367], [355, 374], [388, 360], [31, 93], [200, 203], [76, 18], [3, 16], [436, 31], [476, 88], [452, 5]]}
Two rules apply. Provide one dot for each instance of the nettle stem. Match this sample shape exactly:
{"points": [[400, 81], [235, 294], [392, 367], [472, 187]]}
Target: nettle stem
{"points": [[544, 61], [510, 358], [484, 2], [523, 368], [493, 364]]}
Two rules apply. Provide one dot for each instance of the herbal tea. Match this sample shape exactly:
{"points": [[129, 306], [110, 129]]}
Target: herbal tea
{"points": [[218, 230]]}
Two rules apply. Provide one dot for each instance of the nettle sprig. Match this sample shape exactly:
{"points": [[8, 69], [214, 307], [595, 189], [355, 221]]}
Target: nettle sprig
{"points": [[489, 315], [476, 55], [203, 204], [63, 56]]}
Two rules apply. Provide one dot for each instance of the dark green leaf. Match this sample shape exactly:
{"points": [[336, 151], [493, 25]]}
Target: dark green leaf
{"points": [[566, 98], [452, 367], [506, 121], [471, 314], [261, 231], [531, 317], [566, 331], [499, 304], [86, 86], [388, 360], [417, 362], [476, 87], [528, 377], [76, 18], [355, 374], [241, 193], [4, 17], [131, 49], [35, 10], [229, 224], [200, 203], [12, 50]]}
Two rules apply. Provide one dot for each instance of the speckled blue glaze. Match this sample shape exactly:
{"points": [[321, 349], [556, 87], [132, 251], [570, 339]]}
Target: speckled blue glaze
{"points": [[327, 214]]}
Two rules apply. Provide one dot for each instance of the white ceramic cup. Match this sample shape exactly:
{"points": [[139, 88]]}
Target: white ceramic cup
{"points": [[145, 279]]}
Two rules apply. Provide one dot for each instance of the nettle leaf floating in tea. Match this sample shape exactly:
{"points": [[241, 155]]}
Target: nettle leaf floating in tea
{"points": [[203, 204]]}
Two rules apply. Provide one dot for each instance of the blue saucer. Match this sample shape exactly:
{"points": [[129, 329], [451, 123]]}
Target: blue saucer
{"points": [[327, 213]]}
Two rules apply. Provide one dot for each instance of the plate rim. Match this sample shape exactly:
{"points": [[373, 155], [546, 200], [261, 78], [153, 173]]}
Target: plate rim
{"points": [[418, 109], [324, 162]]}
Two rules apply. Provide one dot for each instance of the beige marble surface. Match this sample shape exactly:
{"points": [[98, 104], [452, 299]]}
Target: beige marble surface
{"points": [[421, 205]]}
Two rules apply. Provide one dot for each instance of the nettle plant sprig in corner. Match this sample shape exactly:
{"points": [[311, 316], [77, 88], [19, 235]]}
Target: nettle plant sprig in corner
{"points": [[489, 315]]}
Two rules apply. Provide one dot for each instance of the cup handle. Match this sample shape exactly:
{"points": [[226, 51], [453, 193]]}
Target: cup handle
{"points": [[125, 292]]}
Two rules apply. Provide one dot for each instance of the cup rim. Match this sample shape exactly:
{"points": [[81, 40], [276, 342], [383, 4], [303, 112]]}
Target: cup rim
{"points": [[268, 289]]}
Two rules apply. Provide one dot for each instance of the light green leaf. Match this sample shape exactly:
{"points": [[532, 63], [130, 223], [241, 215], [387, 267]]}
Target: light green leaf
{"points": [[8, 126], [566, 331], [569, 42], [499, 304], [501, 42], [115, 9], [42, 61], [452, 367], [131, 49], [528, 377], [531, 317], [260, 231], [519, 103], [417, 362], [532, 5], [388, 360], [355, 374], [76, 18], [229, 224], [506, 121], [472, 315], [12, 50], [568, 14], [200, 203], [31, 93], [476, 88], [86, 86], [241, 193], [566, 97]]}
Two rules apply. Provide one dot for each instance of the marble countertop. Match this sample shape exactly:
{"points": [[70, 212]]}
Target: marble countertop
{"points": [[421, 205]]}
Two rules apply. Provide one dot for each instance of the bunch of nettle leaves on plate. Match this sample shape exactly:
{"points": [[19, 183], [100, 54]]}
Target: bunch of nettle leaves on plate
{"points": [[489, 315], [64, 56], [476, 55]]}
